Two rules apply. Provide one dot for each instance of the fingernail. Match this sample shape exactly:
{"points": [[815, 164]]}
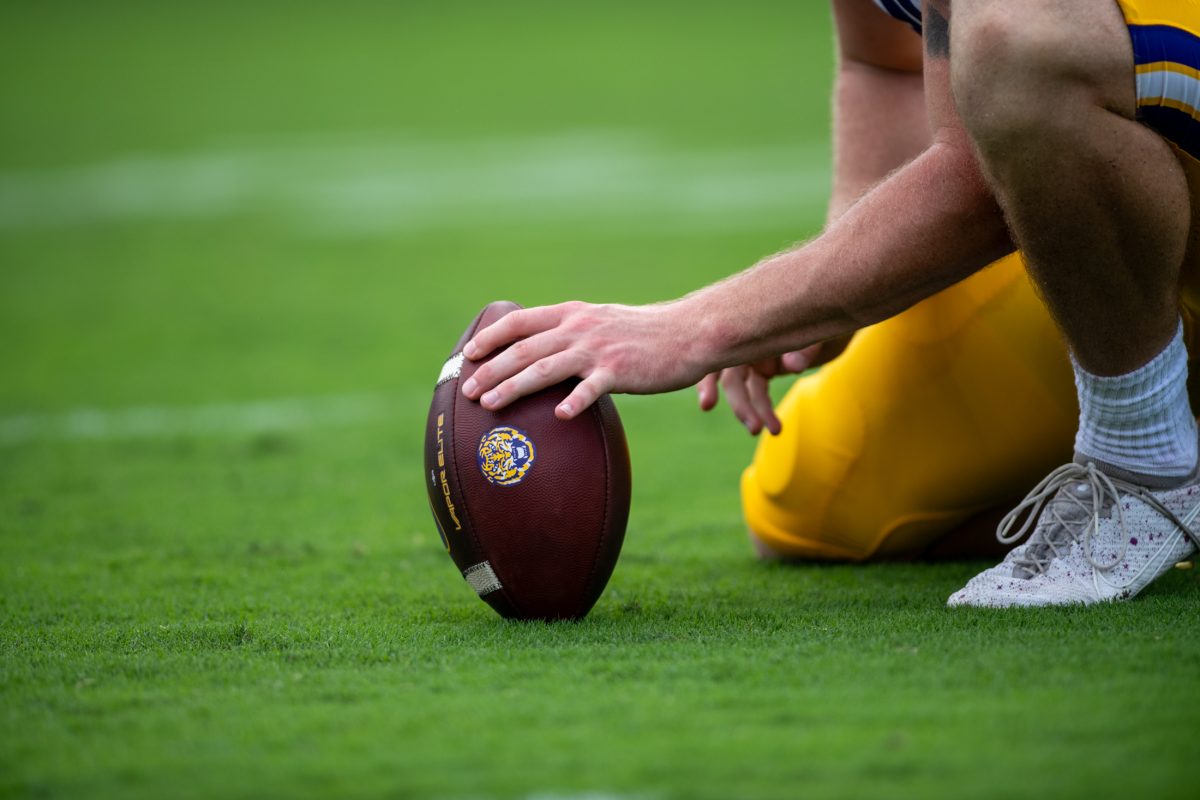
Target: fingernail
{"points": [[469, 386], [490, 398], [469, 350], [565, 408]]}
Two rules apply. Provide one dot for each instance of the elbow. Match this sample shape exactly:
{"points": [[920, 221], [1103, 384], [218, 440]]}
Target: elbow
{"points": [[959, 165], [969, 202]]}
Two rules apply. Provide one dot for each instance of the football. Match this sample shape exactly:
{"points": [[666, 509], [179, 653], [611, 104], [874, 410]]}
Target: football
{"points": [[531, 509]]}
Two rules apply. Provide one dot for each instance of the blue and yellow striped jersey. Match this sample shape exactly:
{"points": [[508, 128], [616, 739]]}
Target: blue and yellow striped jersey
{"points": [[904, 10], [1167, 61]]}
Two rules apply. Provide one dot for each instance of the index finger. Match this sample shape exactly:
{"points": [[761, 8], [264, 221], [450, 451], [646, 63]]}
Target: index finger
{"points": [[509, 328]]}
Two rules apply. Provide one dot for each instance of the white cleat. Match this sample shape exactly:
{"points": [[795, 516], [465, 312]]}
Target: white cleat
{"points": [[1099, 534]]}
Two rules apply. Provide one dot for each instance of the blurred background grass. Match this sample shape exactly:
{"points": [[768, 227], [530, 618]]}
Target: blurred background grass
{"points": [[236, 243], [239, 199]]}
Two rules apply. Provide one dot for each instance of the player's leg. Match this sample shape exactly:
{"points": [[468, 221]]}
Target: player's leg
{"points": [[1098, 202], [1100, 205], [958, 404]]}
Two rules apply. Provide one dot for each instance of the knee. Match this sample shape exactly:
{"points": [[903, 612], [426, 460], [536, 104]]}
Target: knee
{"points": [[1018, 81], [783, 529]]}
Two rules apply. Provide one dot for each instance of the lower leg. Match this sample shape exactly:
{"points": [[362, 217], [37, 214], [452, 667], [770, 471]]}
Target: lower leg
{"points": [[1100, 210], [1100, 206]]}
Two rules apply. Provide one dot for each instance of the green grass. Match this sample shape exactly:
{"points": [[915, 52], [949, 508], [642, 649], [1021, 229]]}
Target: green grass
{"points": [[262, 608]]}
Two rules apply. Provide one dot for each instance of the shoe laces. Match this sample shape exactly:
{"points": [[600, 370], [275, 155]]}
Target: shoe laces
{"points": [[1080, 494]]}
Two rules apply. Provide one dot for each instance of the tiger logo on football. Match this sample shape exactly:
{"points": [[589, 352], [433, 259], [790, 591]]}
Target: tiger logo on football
{"points": [[505, 456]]}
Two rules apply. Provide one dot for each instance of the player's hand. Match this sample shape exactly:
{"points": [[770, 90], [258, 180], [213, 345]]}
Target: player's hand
{"points": [[611, 348], [746, 385]]}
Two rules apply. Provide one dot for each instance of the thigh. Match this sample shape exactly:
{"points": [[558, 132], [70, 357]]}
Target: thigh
{"points": [[958, 404]]}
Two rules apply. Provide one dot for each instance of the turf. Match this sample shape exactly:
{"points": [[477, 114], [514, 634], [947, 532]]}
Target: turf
{"points": [[236, 241]]}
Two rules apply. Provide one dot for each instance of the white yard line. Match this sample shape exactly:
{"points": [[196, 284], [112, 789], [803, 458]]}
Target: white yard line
{"points": [[216, 419], [588, 796], [283, 414], [380, 185]]}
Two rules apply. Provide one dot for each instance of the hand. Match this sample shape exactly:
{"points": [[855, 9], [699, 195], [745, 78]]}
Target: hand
{"points": [[611, 348], [746, 385]]}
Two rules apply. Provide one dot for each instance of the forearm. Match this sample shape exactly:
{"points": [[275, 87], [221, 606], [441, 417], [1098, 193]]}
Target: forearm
{"points": [[929, 225]]}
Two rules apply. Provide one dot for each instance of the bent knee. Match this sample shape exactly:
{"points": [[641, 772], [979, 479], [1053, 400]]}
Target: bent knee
{"points": [[782, 529], [1017, 76]]}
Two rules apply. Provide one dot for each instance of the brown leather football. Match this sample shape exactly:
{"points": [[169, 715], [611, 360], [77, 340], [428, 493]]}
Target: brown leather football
{"points": [[531, 508]]}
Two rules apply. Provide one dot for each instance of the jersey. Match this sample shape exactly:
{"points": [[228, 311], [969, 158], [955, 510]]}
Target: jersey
{"points": [[904, 10]]}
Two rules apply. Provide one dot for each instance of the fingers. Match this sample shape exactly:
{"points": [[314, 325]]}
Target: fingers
{"points": [[511, 327], [733, 381], [760, 401], [545, 372], [800, 360], [749, 398], [707, 389], [544, 348], [520, 356], [587, 392]]}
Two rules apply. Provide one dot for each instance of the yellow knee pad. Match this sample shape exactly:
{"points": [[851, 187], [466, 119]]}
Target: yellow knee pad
{"points": [[961, 402]]}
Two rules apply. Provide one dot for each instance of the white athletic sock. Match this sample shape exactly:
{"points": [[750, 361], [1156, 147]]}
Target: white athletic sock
{"points": [[1140, 421]]}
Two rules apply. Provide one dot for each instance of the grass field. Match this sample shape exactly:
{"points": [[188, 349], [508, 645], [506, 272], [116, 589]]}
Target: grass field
{"points": [[236, 242]]}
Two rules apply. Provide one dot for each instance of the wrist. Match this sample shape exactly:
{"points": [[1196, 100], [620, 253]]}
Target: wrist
{"points": [[706, 336]]}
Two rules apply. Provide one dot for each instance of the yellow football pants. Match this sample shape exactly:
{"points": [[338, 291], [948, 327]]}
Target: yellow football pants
{"points": [[960, 403]]}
